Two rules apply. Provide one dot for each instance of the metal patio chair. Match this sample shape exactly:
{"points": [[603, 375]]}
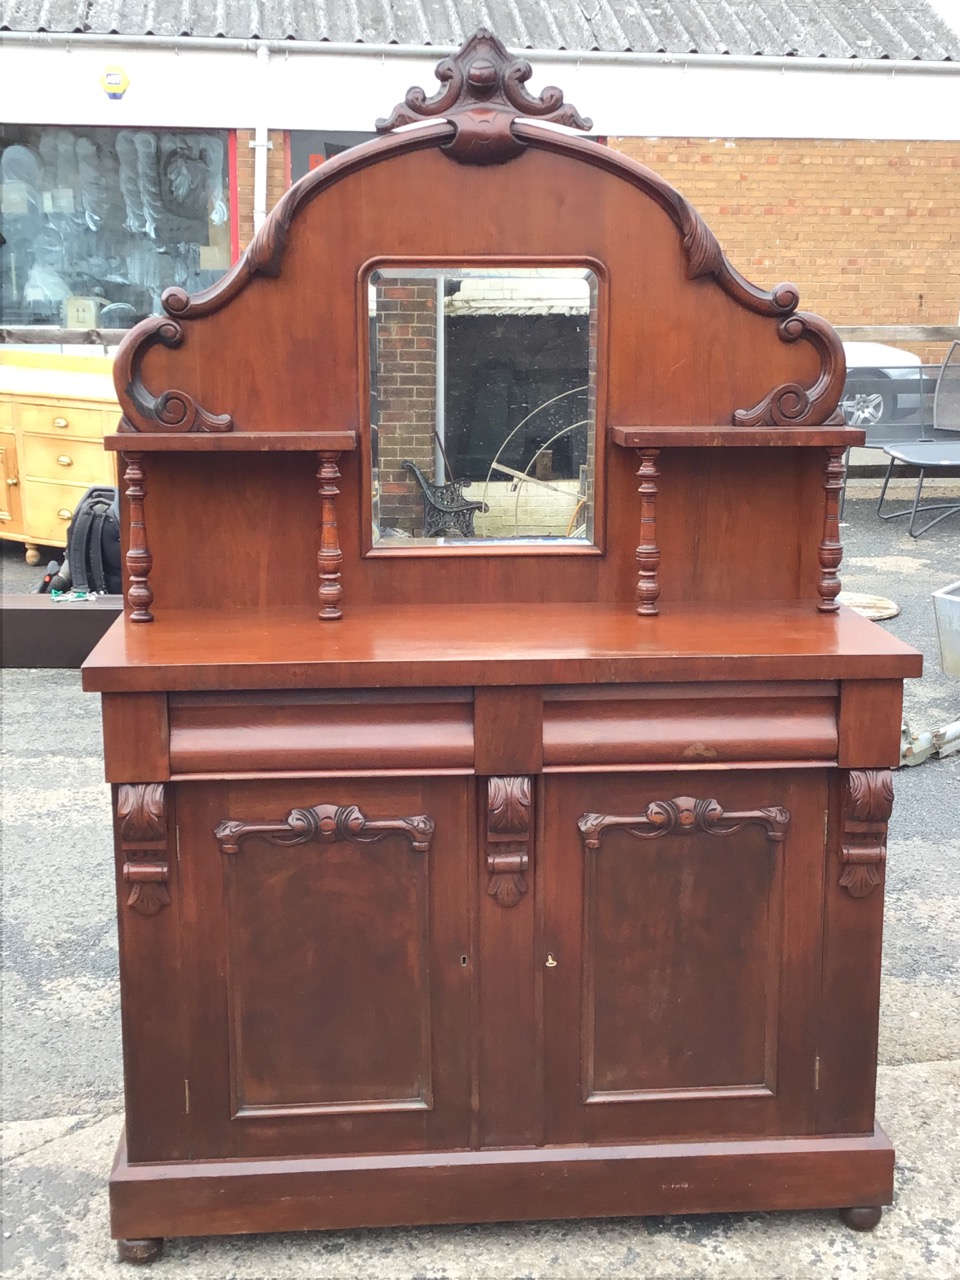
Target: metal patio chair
{"points": [[930, 455]]}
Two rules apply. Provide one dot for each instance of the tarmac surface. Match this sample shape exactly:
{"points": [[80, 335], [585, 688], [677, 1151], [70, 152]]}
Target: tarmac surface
{"points": [[62, 1074]]}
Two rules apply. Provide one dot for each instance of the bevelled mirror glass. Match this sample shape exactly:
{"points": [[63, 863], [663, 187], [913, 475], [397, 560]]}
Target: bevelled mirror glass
{"points": [[482, 405]]}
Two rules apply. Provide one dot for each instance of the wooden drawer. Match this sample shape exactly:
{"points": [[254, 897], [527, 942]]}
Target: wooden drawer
{"points": [[690, 724], [328, 732], [49, 510], [66, 460], [66, 417], [10, 517]]}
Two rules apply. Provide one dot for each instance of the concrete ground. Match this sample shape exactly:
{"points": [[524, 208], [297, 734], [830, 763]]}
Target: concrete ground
{"points": [[61, 1084]]}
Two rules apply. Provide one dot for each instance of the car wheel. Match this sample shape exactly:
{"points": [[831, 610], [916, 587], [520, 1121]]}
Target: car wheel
{"points": [[863, 408]]}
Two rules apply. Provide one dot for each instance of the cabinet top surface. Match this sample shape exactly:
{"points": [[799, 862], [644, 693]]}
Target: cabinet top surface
{"points": [[410, 646]]}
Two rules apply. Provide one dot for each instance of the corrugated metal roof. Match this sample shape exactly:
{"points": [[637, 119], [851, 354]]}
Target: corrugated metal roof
{"points": [[873, 29]]}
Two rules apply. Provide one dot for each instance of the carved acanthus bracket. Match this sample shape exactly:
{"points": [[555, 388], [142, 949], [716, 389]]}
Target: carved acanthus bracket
{"points": [[170, 410], [483, 94], [143, 843], [863, 845], [791, 405], [684, 816], [326, 824], [508, 838]]}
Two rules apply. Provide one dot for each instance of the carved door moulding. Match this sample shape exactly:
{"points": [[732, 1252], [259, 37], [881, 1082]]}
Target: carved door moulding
{"points": [[684, 816], [507, 859], [326, 824], [141, 812], [863, 845]]}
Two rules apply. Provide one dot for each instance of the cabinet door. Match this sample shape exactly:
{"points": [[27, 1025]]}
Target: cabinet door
{"points": [[10, 518], [682, 922], [325, 964]]}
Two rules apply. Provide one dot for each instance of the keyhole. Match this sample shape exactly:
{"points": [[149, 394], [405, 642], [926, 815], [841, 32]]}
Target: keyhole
{"points": [[464, 960], [551, 960]]}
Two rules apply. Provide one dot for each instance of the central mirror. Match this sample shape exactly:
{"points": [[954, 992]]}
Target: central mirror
{"points": [[482, 405]]}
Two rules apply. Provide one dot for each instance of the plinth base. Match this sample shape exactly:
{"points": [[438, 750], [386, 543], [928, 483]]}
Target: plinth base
{"points": [[221, 1197]]}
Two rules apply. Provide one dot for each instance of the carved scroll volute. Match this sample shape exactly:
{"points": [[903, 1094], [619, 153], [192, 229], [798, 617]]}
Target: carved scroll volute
{"points": [[868, 803], [508, 838], [326, 824], [683, 816], [168, 410], [141, 814], [483, 94], [790, 405]]}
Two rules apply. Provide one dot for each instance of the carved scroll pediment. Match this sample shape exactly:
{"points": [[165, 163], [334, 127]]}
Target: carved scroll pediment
{"points": [[483, 93]]}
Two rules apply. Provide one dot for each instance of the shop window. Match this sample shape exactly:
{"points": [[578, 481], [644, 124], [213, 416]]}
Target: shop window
{"points": [[97, 222]]}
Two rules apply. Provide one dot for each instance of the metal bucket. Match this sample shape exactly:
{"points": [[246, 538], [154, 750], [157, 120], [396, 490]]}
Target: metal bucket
{"points": [[946, 610]]}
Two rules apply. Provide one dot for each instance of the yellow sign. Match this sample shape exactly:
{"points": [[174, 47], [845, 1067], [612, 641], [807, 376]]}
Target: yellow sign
{"points": [[115, 82]]}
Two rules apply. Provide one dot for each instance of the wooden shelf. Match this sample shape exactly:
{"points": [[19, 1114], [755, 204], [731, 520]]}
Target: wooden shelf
{"points": [[716, 436], [230, 441], [412, 646]]}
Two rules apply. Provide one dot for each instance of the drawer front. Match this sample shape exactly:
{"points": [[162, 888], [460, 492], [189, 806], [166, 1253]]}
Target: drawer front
{"points": [[68, 461], [49, 509], [9, 484], [633, 725], [249, 733], [66, 417]]}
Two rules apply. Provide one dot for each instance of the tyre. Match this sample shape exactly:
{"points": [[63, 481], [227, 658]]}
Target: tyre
{"points": [[865, 406]]}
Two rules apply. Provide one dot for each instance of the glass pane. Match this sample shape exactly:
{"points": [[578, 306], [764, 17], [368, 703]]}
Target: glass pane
{"points": [[483, 405], [97, 222]]}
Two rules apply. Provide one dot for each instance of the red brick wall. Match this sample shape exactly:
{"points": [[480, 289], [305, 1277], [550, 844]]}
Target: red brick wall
{"points": [[870, 231], [406, 336], [276, 177]]}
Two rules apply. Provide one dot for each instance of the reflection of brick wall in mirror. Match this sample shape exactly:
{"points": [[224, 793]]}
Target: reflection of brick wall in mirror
{"points": [[405, 403]]}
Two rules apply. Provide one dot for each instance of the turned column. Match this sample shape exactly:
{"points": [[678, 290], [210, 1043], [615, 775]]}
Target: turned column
{"points": [[138, 559], [648, 552], [329, 557], [831, 550]]}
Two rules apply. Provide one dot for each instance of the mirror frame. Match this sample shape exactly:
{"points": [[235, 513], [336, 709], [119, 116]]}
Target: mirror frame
{"points": [[491, 547]]}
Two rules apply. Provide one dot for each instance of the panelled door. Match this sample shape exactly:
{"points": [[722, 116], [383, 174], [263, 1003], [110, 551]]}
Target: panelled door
{"points": [[681, 932], [331, 990]]}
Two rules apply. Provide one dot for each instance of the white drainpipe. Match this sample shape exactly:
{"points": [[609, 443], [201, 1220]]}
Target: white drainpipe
{"points": [[261, 145], [753, 62]]}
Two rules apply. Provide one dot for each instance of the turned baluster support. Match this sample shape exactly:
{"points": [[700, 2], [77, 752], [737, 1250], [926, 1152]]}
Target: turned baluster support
{"points": [[329, 557], [138, 559], [648, 552], [831, 549]]}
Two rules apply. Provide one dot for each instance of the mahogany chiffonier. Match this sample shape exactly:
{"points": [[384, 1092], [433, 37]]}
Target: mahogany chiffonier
{"points": [[500, 789]]}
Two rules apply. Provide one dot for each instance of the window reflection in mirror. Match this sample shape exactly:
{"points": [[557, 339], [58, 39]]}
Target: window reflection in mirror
{"points": [[483, 405]]}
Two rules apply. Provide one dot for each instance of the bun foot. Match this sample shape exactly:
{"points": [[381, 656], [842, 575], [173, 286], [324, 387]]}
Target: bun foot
{"points": [[139, 1251], [861, 1217]]}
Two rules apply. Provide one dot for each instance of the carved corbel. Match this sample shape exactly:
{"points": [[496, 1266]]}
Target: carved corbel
{"points": [[142, 817], [863, 844], [482, 95], [684, 816], [508, 838], [325, 824]]}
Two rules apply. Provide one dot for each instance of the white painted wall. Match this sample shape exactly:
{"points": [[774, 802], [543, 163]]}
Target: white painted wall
{"points": [[59, 83]]}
